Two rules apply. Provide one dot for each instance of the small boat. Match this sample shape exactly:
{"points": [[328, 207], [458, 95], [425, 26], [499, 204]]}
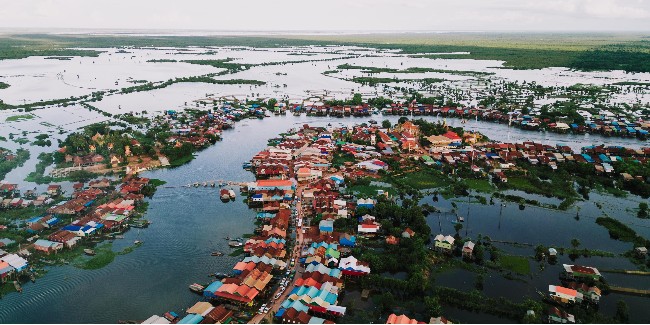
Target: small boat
{"points": [[89, 251], [196, 184], [217, 253], [205, 184], [170, 316], [232, 194], [372, 122], [235, 244], [18, 287], [211, 184], [225, 196], [197, 288], [137, 242], [119, 237]]}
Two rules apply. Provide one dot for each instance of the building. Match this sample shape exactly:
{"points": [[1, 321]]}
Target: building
{"points": [[444, 243], [468, 249]]}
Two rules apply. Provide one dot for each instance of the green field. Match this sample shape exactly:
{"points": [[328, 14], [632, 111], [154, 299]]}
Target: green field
{"points": [[583, 51], [22, 117], [517, 264]]}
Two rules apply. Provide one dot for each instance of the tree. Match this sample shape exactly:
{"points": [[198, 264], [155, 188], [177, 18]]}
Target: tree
{"points": [[643, 210], [271, 103], [386, 124], [402, 119], [622, 312], [432, 305], [356, 99], [458, 227], [575, 242]]}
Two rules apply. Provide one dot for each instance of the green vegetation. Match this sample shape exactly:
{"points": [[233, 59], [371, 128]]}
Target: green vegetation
{"points": [[104, 255], [16, 118], [4, 85], [421, 179], [237, 252], [371, 70], [481, 185], [476, 301], [22, 155], [619, 231], [37, 176], [340, 159], [227, 64], [517, 264]]}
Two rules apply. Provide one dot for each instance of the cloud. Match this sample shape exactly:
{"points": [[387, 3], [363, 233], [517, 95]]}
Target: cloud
{"points": [[360, 15]]}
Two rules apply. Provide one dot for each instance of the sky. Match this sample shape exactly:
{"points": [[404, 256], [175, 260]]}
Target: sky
{"points": [[329, 15]]}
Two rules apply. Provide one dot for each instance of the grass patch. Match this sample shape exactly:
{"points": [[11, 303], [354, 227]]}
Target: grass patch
{"points": [[514, 263], [22, 117], [104, 255], [423, 180], [156, 182], [181, 161], [370, 190], [237, 252], [481, 185], [619, 231]]}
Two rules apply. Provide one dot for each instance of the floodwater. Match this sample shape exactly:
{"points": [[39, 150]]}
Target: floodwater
{"points": [[190, 223]]}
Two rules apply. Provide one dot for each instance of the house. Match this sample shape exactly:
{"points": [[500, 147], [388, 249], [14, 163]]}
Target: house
{"points": [[401, 319], [408, 233], [351, 266], [366, 203], [444, 243], [392, 240], [468, 249], [564, 295], [47, 246], [326, 226], [54, 190], [577, 271], [15, 261], [439, 320], [641, 251], [373, 165], [555, 315]]}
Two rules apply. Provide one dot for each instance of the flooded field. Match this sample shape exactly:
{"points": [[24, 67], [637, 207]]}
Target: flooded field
{"points": [[189, 223]]}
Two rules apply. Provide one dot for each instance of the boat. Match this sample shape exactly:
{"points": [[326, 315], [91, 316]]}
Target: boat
{"points": [[372, 122], [197, 288], [232, 194], [18, 287], [235, 244], [119, 237], [89, 251], [137, 242], [225, 196], [170, 316], [217, 253], [211, 184]]}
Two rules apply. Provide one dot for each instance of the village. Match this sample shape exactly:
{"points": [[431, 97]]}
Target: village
{"points": [[317, 238], [332, 205]]}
